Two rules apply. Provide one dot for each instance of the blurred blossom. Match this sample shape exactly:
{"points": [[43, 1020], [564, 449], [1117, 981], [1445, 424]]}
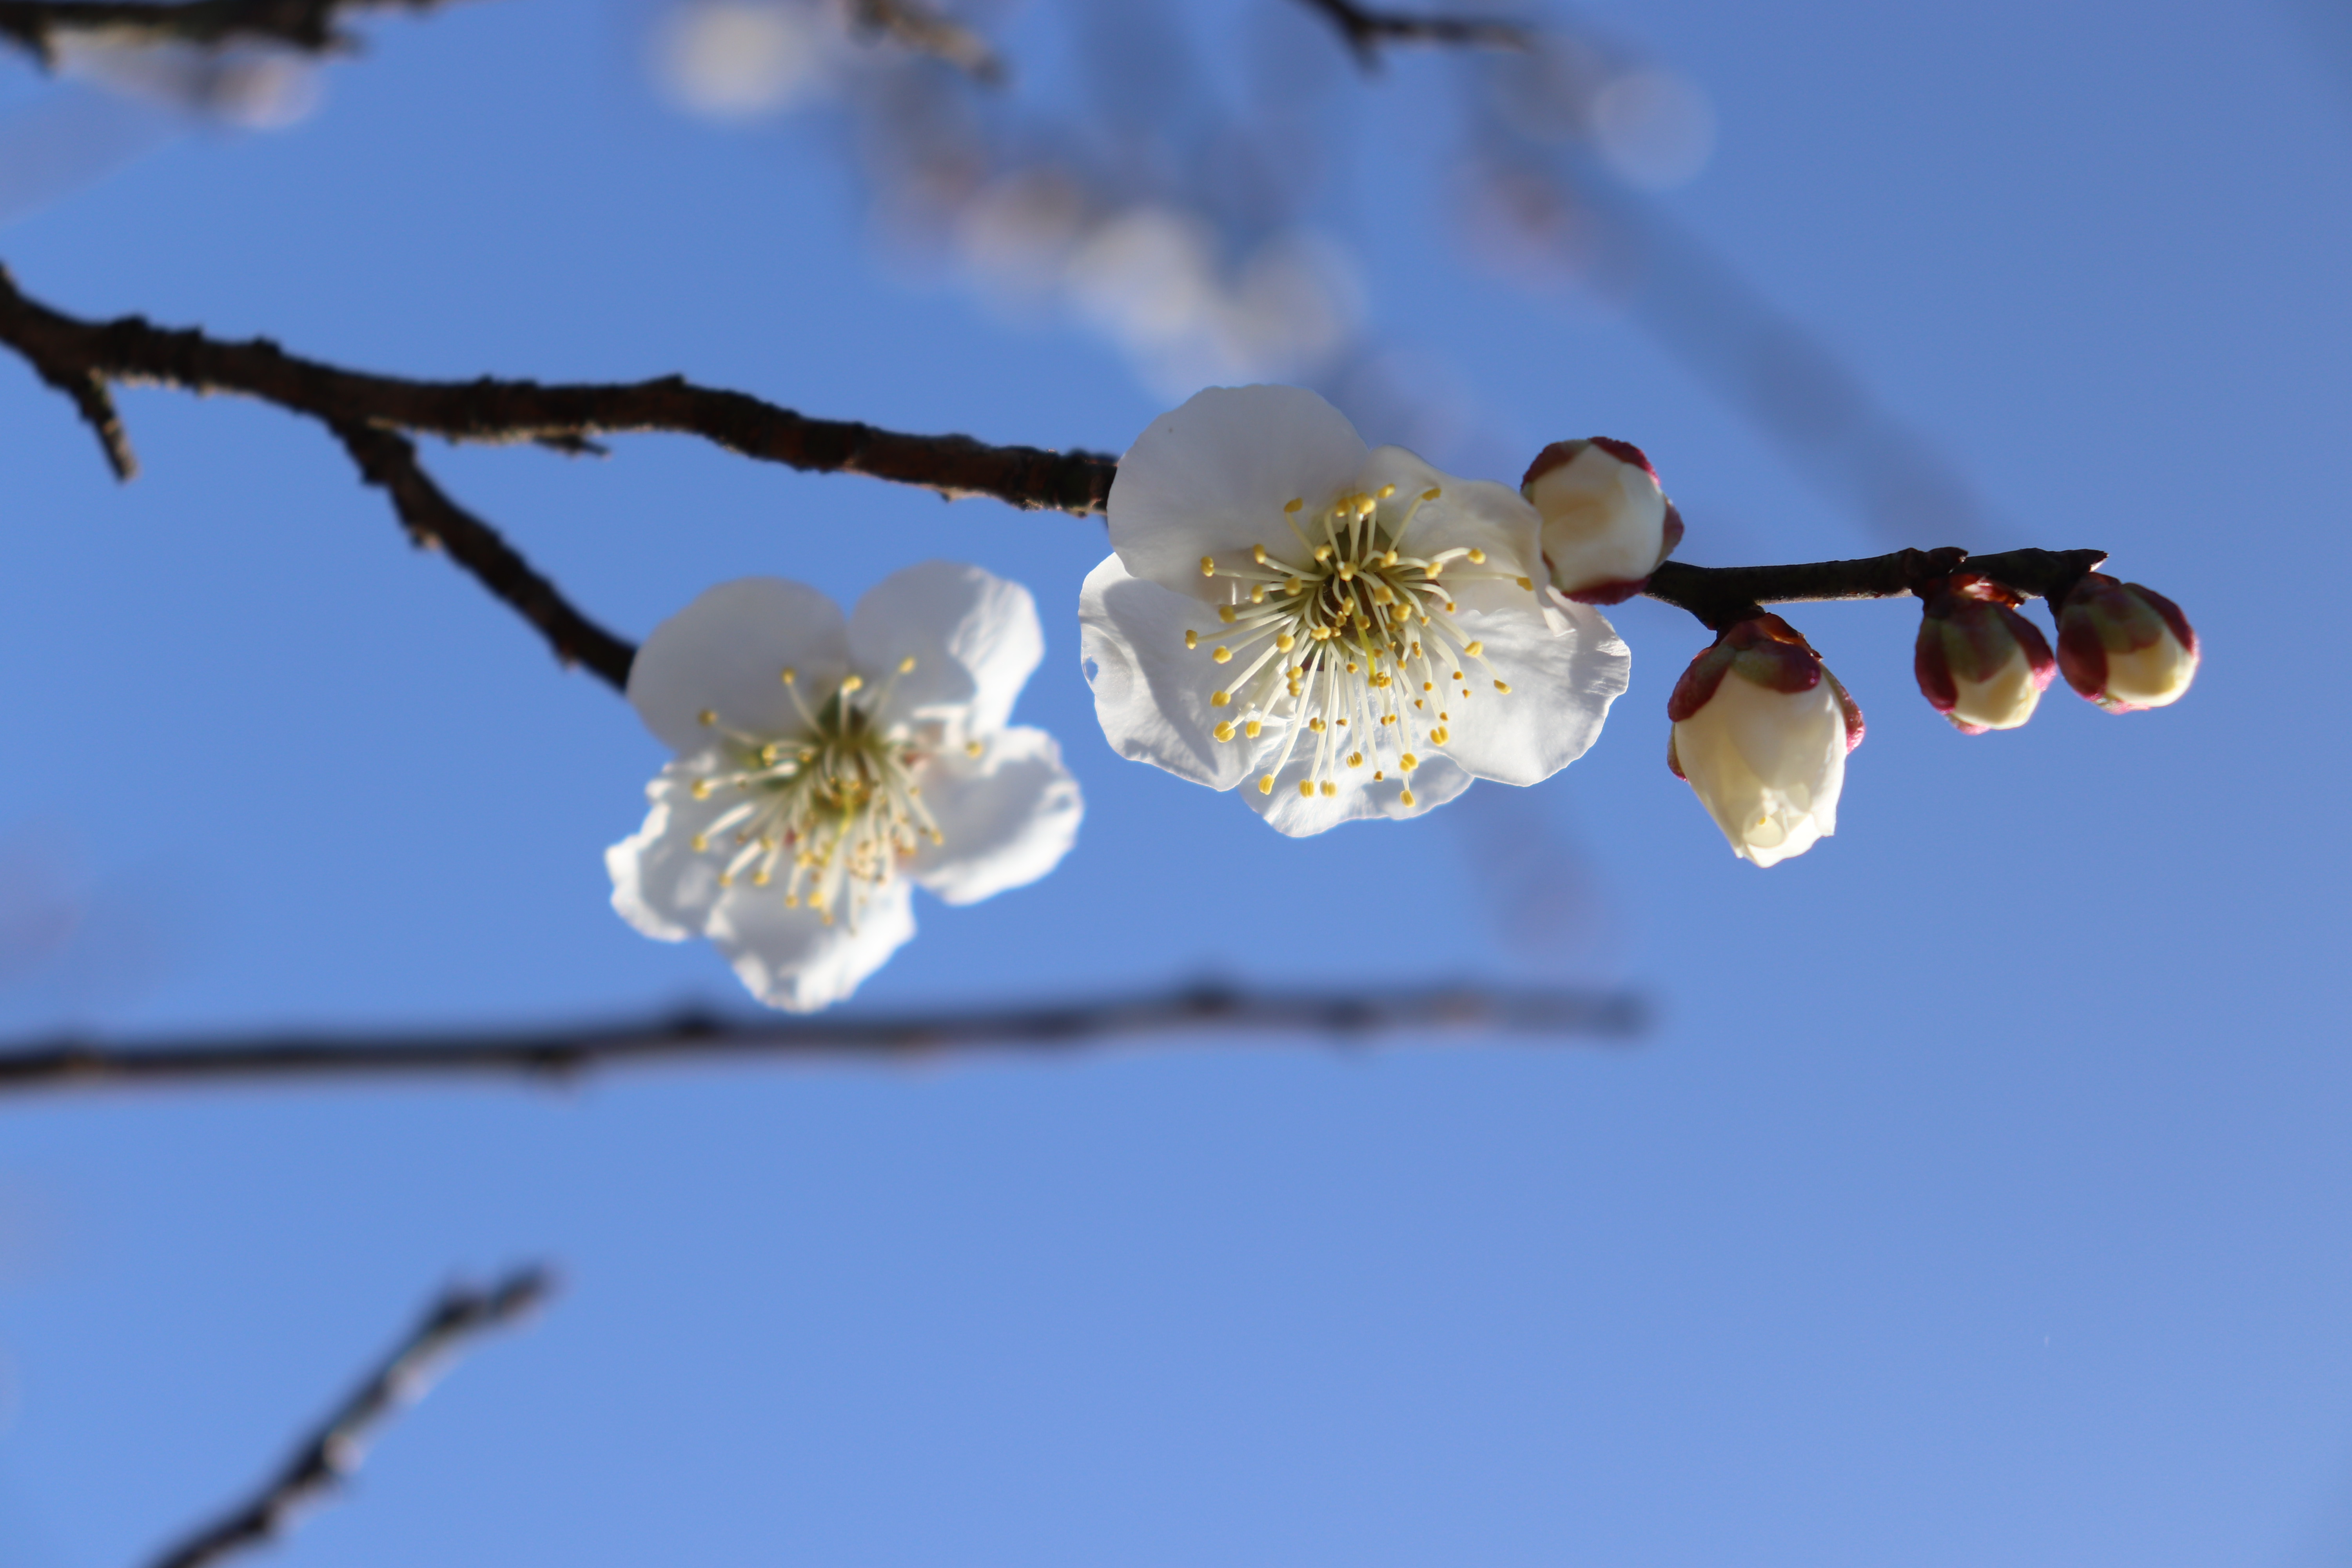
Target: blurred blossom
{"points": [[1655, 128], [246, 87], [738, 58]]}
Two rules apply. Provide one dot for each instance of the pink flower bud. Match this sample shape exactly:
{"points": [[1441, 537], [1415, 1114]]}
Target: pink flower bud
{"points": [[2124, 647], [1761, 734], [1606, 522], [1979, 663]]}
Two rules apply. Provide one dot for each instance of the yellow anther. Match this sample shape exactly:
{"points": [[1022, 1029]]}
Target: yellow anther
{"points": [[1426, 685], [1294, 504], [1473, 649], [700, 789], [1351, 667], [854, 683], [1252, 729], [1208, 565], [1432, 569], [1388, 718], [1265, 783], [726, 879], [1330, 788], [1406, 797], [1257, 592], [1390, 558], [1307, 788], [1347, 571], [1192, 638], [1316, 725], [1387, 491], [1224, 729], [1257, 554], [1354, 759], [789, 676], [1430, 494], [1501, 685], [707, 718], [1378, 775], [760, 877], [1285, 641], [970, 749], [1439, 736], [1528, 584], [1381, 596], [1219, 699], [1477, 556], [701, 844], [1223, 655], [1408, 762], [1226, 612], [792, 900], [907, 665], [1322, 553], [1295, 672]]}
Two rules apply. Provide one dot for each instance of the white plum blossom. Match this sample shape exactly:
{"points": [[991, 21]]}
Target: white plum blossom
{"points": [[1607, 523], [1339, 631], [1762, 732], [824, 765]]}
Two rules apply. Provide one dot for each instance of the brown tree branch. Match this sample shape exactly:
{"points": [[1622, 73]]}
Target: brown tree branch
{"points": [[388, 460], [1719, 595], [131, 350], [34, 26], [916, 26], [1052, 1027], [1366, 29], [331, 1454]]}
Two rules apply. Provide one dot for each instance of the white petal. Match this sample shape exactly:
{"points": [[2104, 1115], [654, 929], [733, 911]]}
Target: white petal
{"points": [[1604, 520], [974, 637], [725, 652], [789, 958], [1561, 686], [1433, 783], [1212, 479], [1767, 766], [660, 885], [1150, 692], [1005, 818]]}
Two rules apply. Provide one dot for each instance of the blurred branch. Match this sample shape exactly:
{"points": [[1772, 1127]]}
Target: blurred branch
{"points": [[919, 28], [333, 1453], [83, 358], [1366, 29], [1719, 595], [388, 460], [1052, 1027], [36, 25]]}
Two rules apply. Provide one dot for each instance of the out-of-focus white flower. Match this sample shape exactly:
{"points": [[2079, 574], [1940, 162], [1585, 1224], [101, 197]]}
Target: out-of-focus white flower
{"points": [[1607, 524], [1761, 734], [823, 765], [1343, 632], [1655, 128], [736, 59], [1979, 663], [2123, 646]]}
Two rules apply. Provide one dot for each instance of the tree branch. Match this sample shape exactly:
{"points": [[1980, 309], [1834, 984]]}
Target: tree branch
{"points": [[308, 25], [388, 460], [916, 26], [1718, 595], [333, 1453], [1053, 1027], [131, 350], [1366, 30]]}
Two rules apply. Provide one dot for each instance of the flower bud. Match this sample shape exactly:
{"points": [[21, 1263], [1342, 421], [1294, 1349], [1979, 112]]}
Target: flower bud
{"points": [[1761, 734], [2124, 647], [1606, 522], [1979, 663]]}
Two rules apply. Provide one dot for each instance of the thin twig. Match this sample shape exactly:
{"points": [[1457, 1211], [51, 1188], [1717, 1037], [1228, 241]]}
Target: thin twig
{"points": [[1718, 595], [388, 460], [69, 353], [310, 26], [333, 1452], [1366, 29], [1213, 1013], [916, 26]]}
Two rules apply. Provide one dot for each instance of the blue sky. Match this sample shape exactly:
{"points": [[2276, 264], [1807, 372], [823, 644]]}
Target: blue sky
{"points": [[1980, 1195]]}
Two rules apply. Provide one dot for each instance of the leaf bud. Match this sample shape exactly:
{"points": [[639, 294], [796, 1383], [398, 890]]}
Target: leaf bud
{"points": [[1762, 730], [1607, 523], [1979, 663]]}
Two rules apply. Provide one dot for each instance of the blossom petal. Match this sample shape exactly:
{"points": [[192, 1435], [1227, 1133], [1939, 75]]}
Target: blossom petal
{"points": [[789, 958], [1151, 693], [1433, 783], [724, 653], [1468, 514], [660, 885], [1213, 476], [974, 637], [1005, 818], [1561, 686]]}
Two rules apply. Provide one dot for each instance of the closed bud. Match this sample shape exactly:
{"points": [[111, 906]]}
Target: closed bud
{"points": [[2124, 647], [1979, 663], [1761, 734], [1606, 522]]}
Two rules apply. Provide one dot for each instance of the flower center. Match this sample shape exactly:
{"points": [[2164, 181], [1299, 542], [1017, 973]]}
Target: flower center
{"points": [[1356, 649], [828, 809]]}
